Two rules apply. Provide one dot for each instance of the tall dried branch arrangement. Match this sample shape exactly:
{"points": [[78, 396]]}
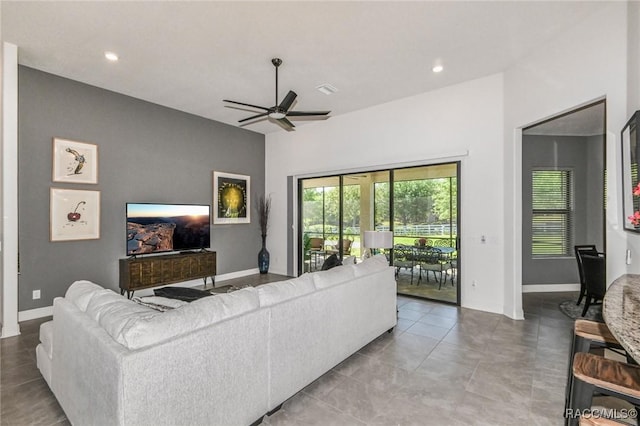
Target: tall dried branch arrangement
{"points": [[264, 209]]}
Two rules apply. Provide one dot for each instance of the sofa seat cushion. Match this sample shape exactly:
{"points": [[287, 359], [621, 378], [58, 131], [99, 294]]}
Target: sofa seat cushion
{"points": [[333, 276], [46, 337], [43, 362], [277, 292], [80, 292], [145, 331], [371, 265]]}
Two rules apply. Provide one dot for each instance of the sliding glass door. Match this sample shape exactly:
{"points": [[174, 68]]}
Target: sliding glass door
{"points": [[320, 220], [420, 206], [425, 207]]}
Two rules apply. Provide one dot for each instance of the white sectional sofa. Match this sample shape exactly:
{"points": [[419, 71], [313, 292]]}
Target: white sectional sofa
{"points": [[227, 359]]}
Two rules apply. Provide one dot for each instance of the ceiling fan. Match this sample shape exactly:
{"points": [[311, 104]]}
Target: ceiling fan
{"points": [[280, 111]]}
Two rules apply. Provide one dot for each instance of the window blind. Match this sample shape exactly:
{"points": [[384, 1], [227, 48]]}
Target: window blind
{"points": [[552, 218]]}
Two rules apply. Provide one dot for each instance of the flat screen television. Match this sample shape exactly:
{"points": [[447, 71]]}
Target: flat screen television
{"points": [[157, 228]]}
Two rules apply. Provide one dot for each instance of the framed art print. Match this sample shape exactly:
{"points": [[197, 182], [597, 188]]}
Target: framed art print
{"points": [[74, 162], [231, 202], [74, 215]]}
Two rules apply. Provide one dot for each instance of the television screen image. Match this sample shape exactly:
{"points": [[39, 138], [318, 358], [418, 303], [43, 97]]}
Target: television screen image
{"points": [[156, 228]]}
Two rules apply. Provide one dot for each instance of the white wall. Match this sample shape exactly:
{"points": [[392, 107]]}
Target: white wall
{"points": [[446, 122], [586, 63], [633, 104], [633, 58], [9, 241]]}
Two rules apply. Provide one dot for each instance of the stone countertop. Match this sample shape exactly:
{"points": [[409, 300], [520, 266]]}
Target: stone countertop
{"points": [[621, 312]]}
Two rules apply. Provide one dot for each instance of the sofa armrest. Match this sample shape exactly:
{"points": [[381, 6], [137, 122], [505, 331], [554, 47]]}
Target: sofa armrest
{"points": [[214, 375], [86, 368]]}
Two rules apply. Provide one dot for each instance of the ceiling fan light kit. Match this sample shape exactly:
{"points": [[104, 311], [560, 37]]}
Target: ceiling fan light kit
{"points": [[280, 111]]}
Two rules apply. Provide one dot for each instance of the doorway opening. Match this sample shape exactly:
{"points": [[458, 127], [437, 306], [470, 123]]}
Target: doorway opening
{"points": [[563, 195]]}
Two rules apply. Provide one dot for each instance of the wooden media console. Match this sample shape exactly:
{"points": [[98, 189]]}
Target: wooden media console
{"points": [[137, 273]]}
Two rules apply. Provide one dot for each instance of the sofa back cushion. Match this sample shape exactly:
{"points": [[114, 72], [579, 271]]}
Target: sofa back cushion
{"points": [[198, 314], [273, 293], [334, 276], [116, 313], [349, 260], [80, 292], [373, 264]]}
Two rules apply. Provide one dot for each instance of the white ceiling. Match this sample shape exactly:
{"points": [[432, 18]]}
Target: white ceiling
{"points": [[586, 121], [191, 55]]}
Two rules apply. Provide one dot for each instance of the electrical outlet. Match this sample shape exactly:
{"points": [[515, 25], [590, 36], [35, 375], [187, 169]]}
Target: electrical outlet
{"points": [[628, 257], [36, 294]]}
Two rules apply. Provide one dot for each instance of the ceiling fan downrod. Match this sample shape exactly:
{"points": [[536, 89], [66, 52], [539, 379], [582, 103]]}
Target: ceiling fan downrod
{"points": [[276, 63], [280, 111]]}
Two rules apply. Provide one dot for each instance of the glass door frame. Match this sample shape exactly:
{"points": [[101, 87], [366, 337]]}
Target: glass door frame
{"points": [[391, 169]]}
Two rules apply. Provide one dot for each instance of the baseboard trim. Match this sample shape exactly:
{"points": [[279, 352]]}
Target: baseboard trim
{"points": [[10, 331], [547, 288], [47, 311]]}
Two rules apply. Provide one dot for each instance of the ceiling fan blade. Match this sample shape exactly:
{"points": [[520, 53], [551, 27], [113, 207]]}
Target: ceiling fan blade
{"points": [[306, 113], [249, 105], [286, 124], [279, 109], [262, 114], [288, 101]]}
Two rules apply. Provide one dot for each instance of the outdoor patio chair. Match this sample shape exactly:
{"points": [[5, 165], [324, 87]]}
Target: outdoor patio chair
{"points": [[403, 258], [432, 259], [316, 249], [346, 247]]}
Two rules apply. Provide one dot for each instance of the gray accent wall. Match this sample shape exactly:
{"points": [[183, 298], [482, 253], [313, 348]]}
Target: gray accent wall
{"points": [[147, 153], [585, 155]]}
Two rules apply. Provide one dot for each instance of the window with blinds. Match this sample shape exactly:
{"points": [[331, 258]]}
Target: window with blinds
{"points": [[552, 219]]}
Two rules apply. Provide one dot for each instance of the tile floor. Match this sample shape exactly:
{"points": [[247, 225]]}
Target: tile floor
{"points": [[442, 365]]}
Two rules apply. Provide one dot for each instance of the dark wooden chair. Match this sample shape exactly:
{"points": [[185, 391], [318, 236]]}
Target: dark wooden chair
{"points": [[580, 250], [594, 279]]}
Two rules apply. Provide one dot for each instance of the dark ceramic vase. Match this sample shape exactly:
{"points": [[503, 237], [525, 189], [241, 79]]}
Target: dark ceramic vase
{"points": [[263, 257]]}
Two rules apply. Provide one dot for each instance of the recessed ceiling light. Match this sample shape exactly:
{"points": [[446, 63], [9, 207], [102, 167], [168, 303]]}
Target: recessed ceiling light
{"points": [[437, 68], [111, 56], [327, 89]]}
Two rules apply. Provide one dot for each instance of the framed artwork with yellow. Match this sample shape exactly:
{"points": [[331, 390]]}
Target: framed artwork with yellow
{"points": [[231, 203]]}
